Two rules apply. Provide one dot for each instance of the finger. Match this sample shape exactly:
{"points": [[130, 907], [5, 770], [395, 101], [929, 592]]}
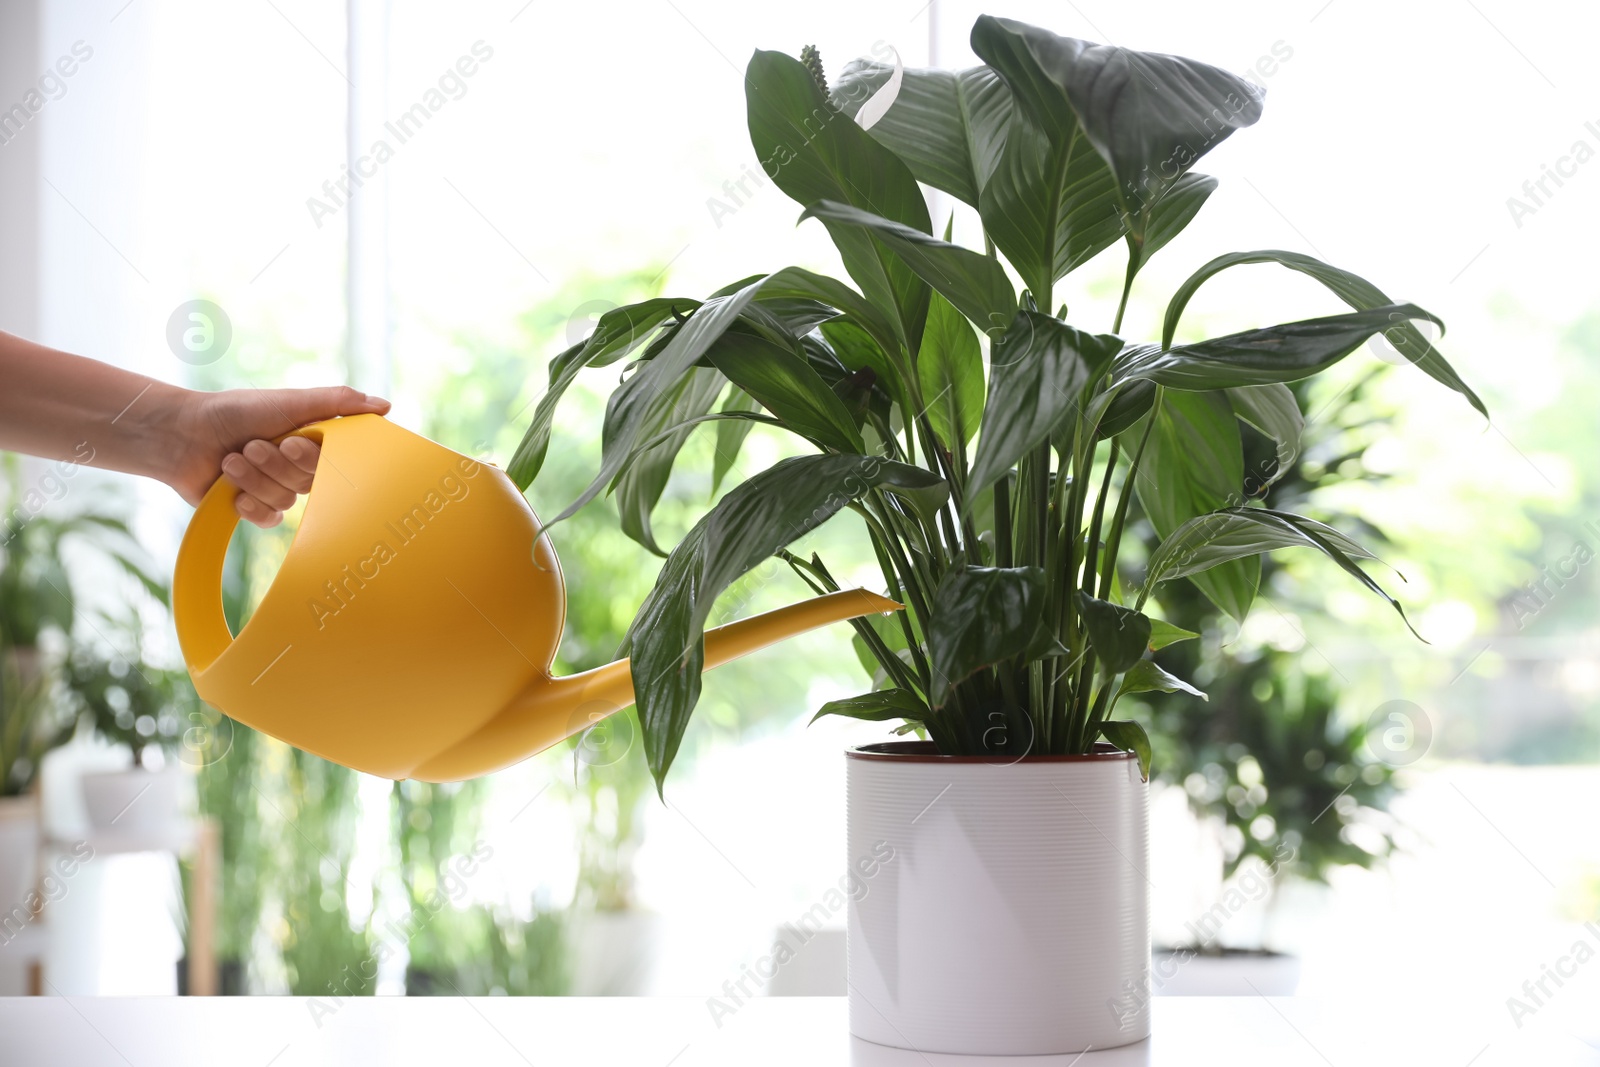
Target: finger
{"points": [[270, 460], [302, 452], [249, 478], [302, 406], [252, 510]]}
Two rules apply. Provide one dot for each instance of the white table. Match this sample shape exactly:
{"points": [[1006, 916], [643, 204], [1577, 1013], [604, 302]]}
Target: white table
{"points": [[658, 1032]]}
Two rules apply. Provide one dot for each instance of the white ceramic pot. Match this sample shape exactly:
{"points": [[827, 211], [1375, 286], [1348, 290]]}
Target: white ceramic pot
{"points": [[135, 801], [19, 852], [998, 908], [612, 952], [20, 932]]}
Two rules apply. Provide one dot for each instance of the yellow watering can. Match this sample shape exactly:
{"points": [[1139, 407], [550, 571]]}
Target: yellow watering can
{"points": [[410, 631]]}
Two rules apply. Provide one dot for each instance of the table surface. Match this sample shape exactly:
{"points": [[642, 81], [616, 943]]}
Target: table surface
{"points": [[680, 1032]]}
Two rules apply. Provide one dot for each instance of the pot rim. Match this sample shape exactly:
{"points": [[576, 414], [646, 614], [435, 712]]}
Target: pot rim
{"points": [[926, 752]]}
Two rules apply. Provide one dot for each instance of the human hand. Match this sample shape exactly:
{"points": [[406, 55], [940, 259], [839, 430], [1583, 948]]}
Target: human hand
{"points": [[231, 433]]}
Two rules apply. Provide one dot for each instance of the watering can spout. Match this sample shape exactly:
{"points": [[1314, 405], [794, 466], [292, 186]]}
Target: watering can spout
{"points": [[411, 627], [550, 709]]}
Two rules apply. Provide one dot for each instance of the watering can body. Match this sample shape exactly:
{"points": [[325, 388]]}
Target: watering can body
{"points": [[411, 627]]}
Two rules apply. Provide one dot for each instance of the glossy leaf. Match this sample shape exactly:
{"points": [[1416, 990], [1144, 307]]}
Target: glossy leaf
{"points": [[950, 370], [1352, 289], [1233, 533], [756, 518], [1036, 377], [1164, 633], [730, 435], [1118, 635], [884, 705], [976, 284], [855, 348], [785, 385], [1274, 411], [925, 493], [796, 316], [1149, 116], [1130, 737], [1209, 540], [1283, 353], [1194, 465], [799, 283], [859, 390], [947, 125], [1146, 677], [1050, 205], [1168, 216], [616, 333], [641, 482], [628, 410], [982, 615], [813, 152], [1125, 407]]}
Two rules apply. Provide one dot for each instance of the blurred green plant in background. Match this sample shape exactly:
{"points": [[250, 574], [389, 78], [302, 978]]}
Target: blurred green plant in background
{"points": [[326, 951], [1270, 755]]}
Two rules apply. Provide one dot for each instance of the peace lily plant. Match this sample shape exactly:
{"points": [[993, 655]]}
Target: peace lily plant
{"points": [[993, 451]]}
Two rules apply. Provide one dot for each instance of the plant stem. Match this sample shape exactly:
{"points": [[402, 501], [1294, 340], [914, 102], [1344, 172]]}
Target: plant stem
{"points": [[1083, 468], [1127, 287], [893, 560], [1002, 521], [1092, 545], [816, 575], [1114, 539], [1041, 502]]}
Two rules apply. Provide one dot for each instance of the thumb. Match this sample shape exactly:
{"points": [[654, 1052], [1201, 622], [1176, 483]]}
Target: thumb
{"points": [[302, 406]]}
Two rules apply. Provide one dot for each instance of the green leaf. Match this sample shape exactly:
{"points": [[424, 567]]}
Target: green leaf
{"points": [[947, 125], [856, 348], [1146, 677], [1130, 737], [1169, 215], [1149, 116], [616, 333], [1352, 289], [1163, 634], [950, 367], [976, 284], [1050, 205], [881, 706], [813, 152], [1209, 540], [1118, 635], [730, 435], [628, 410], [1194, 465], [981, 616], [924, 490], [786, 385], [1036, 377], [1283, 353], [799, 283], [1274, 411], [1125, 404], [1233, 533], [756, 518], [893, 637], [641, 482], [795, 317], [859, 390]]}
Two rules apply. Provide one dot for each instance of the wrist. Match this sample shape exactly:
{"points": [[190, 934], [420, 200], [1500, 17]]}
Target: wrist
{"points": [[160, 431]]}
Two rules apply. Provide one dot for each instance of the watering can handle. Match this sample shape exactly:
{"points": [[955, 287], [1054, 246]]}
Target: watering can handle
{"points": [[197, 613]]}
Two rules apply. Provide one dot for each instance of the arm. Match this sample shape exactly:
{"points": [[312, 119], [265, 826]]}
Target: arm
{"points": [[65, 407]]}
